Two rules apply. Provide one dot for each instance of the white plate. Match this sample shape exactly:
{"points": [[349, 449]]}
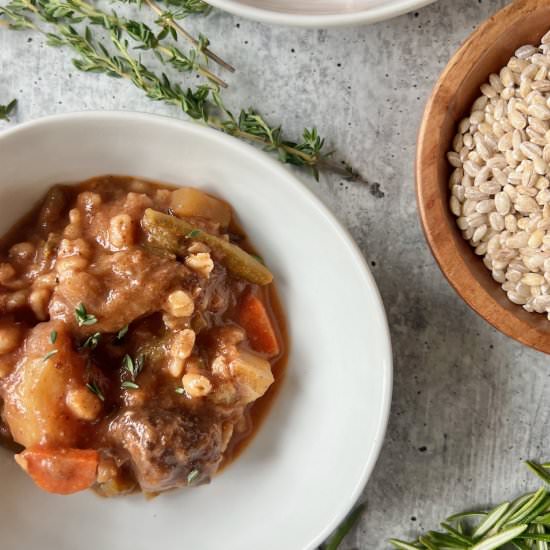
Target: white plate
{"points": [[314, 453], [319, 13]]}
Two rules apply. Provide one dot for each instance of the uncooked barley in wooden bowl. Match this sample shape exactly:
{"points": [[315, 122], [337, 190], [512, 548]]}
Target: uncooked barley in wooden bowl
{"points": [[500, 191], [483, 171]]}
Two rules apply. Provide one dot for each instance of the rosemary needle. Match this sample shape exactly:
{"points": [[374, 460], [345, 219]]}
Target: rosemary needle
{"points": [[523, 524], [345, 527]]}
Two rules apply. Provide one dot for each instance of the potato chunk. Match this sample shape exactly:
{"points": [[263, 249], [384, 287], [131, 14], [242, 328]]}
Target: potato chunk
{"points": [[188, 202], [253, 375], [35, 392]]}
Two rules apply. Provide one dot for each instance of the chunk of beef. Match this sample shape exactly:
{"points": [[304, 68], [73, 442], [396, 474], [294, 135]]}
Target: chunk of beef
{"points": [[168, 449], [117, 289]]}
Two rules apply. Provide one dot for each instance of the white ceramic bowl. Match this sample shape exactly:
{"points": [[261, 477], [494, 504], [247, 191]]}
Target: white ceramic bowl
{"points": [[319, 13], [315, 451]]}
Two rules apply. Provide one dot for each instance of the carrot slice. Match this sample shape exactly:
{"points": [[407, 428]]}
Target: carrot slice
{"points": [[254, 318], [61, 471]]}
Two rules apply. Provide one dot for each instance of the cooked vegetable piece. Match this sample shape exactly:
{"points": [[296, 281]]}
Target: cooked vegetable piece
{"points": [[166, 231], [73, 387], [116, 487], [52, 208], [253, 317], [188, 202], [35, 392], [61, 471], [252, 374]]}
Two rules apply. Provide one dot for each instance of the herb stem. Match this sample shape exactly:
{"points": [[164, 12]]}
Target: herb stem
{"points": [[114, 22], [203, 104], [179, 29], [203, 71], [308, 159]]}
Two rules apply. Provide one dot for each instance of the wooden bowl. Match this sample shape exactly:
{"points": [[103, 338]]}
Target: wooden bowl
{"points": [[487, 50]]}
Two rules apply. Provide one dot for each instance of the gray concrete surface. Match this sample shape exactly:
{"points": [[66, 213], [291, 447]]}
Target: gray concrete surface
{"points": [[469, 404]]}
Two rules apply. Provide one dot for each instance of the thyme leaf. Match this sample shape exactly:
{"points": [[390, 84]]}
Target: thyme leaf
{"points": [[122, 332], [92, 341], [49, 355], [95, 389], [133, 367], [6, 110], [83, 318], [192, 476]]}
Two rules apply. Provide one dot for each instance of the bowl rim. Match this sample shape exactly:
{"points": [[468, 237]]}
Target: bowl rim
{"points": [[373, 15], [426, 172], [357, 257]]}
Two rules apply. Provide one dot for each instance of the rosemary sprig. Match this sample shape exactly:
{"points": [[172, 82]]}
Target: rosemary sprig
{"points": [[523, 524], [6, 110]]}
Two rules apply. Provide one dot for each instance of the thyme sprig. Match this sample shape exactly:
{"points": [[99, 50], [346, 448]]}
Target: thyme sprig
{"points": [[59, 21], [523, 524], [6, 110], [75, 11], [167, 19]]}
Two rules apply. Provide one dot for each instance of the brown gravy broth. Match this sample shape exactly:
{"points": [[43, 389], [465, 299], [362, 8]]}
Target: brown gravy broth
{"points": [[182, 392]]}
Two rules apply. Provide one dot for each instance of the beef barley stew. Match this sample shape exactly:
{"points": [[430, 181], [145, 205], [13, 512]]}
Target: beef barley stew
{"points": [[137, 331]]}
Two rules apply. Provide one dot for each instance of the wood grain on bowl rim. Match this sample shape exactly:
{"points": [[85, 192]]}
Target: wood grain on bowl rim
{"points": [[487, 50]]}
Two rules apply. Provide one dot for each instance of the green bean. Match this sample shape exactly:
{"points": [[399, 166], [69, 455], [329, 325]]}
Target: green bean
{"points": [[168, 232]]}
